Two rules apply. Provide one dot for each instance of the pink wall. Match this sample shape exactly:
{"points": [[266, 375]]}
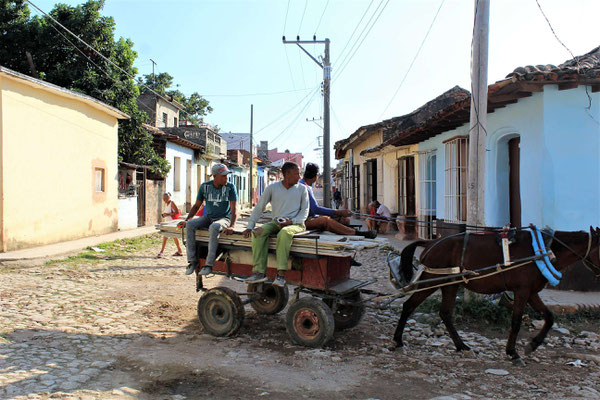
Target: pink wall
{"points": [[274, 155]]}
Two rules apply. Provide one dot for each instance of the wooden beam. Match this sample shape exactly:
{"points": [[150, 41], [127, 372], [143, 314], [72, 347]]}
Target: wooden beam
{"points": [[530, 87], [509, 97], [567, 85], [595, 88]]}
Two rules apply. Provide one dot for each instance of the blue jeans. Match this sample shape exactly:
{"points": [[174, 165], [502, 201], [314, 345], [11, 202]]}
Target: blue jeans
{"points": [[215, 227]]}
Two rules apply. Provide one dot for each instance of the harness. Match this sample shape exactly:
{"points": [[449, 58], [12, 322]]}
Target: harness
{"points": [[544, 265]]}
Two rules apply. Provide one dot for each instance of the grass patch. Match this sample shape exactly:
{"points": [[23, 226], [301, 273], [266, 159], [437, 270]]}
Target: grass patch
{"points": [[112, 250], [477, 310], [580, 316]]}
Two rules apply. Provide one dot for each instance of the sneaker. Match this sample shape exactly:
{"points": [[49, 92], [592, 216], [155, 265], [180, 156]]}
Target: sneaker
{"points": [[355, 263], [256, 277], [367, 234], [191, 268], [279, 281], [207, 269]]}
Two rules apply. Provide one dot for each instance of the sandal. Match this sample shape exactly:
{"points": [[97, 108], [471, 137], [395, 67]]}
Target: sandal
{"points": [[159, 255], [178, 254]]}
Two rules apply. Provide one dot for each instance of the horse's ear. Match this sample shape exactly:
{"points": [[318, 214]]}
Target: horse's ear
{"points": [[597, 231]]}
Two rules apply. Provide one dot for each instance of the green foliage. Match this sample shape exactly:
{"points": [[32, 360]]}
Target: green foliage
{"points": [[195, 106]]}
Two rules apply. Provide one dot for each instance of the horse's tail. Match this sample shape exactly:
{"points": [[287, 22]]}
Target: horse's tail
{"points": [[406, 258]]}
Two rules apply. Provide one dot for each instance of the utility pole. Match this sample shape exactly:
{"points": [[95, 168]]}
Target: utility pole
{"points": [[153, 76], [326, 66], [478, 120], [251, 155]]}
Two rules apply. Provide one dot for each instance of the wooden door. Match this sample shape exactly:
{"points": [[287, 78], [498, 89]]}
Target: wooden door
{"points": [[514, 181]]}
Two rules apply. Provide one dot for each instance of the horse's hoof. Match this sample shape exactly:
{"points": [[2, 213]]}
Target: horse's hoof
{"points": [[463, 347], [529, 349], [394, 346], [518, 362]]}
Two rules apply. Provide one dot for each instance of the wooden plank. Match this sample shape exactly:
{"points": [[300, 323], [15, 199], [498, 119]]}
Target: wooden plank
{"points": [[509, 97], [567, 85]]}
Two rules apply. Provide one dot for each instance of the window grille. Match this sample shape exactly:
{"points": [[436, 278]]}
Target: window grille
{"points": [[457, 158], [371, 192], [356, 187], [427, 194]]}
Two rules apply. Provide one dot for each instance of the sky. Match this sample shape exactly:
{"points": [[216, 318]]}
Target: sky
{"points": [[389, 57]]}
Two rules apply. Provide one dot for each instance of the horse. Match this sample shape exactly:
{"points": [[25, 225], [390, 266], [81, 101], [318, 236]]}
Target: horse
{"points": [[476, 250]]}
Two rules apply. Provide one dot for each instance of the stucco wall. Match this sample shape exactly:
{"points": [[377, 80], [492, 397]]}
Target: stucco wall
{"points": [[559, 152], [51, 145], [128, 213], [179, 196]]}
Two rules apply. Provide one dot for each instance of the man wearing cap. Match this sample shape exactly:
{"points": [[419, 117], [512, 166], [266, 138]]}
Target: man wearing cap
{"points": [[220, 214]]}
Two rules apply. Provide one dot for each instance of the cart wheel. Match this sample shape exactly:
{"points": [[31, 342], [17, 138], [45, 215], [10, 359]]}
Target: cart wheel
{"points": [[309, 322], [348, 315], [220, 311], [273, 299]]}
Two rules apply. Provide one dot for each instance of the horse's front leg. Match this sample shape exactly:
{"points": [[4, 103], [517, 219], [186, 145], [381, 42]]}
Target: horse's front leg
{"points": [[538, 305], [407, 309], [517, 316], [446, 310]]}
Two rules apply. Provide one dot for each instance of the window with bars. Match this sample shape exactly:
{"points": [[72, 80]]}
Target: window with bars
{"points": [[406, 186], [356, 187], [427, 193], [455, 197], [371, 172]]}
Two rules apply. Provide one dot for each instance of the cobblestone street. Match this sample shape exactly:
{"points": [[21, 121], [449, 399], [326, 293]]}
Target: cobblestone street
{"points": [[120, 327]]}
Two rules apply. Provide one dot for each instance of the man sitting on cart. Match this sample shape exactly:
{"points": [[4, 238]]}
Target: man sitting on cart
{"points": [[289, 209], [327, 219], [220, 215]]}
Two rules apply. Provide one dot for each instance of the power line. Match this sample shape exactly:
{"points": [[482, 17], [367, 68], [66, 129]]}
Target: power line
{"points": [[308, 103], [285, 112], [364, 37], [90, 46], [414, 59], [286, 17], [256, 94], [302, 19], [354, 31], [321, 19]]}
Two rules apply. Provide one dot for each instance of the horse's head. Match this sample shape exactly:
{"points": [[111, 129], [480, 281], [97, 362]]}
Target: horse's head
{"points": [[592, 257]]}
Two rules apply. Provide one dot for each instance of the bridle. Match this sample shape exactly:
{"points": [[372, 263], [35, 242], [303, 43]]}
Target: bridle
{"points": [[593, 267]]}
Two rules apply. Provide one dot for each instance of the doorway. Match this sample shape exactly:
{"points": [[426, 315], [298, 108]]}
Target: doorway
{"points": [[514, 183]]}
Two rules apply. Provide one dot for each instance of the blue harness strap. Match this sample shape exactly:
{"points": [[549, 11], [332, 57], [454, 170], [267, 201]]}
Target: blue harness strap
{"points": [[544, 265]]}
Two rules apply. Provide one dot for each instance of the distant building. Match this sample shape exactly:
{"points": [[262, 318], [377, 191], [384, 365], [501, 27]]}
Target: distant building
{"points": [[274, 156], [237, 141], [163, 111], [215, 146], [263, 150]]}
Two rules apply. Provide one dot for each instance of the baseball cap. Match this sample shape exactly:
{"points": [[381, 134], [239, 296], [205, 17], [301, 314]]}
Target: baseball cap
{"points": [[220, 169]]}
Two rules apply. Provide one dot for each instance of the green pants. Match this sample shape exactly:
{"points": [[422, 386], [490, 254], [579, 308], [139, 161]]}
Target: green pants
{"points": [[260, 245]]}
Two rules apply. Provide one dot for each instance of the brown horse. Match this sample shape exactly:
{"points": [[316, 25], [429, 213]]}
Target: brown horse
{"points": [[482, 250]]}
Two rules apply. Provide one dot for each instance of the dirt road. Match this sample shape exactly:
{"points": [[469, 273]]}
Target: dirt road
{"points": [[126, 327]]}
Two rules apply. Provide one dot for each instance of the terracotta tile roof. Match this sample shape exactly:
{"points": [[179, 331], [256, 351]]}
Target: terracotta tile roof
{"points": [[452, 108]]}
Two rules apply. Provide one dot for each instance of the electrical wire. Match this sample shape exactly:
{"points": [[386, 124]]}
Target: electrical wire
{"points": [[308, 103], [280, 116], [286, 17], [353, 32], [363, 38], [414, 59], [256, 94], [302, 19], [321, 19]]}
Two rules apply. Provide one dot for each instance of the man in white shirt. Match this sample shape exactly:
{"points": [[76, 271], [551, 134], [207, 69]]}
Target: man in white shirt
{"points": [[289, 209], [380, 217]]}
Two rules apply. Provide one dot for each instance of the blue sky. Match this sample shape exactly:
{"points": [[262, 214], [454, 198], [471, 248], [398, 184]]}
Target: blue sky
{"points": [[226, 50]]}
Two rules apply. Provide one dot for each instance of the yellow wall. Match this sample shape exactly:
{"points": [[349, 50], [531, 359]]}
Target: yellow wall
{"points": [[50, 146]]}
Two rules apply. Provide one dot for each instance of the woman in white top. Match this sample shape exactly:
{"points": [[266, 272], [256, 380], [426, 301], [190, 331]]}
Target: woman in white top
{"points": [[170, 213], [381, 216]]}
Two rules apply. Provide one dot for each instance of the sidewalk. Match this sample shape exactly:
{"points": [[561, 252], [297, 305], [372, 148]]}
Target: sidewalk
{"points": [[56, 249]]}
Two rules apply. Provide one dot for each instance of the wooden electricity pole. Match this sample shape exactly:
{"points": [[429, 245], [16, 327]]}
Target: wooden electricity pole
{"points": [[251, 155], [478, 120]]}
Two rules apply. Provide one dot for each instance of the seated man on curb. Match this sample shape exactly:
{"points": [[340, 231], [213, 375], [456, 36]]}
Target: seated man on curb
{"points": [[220, 214], [289, 209], [326, 219], [380, 217]]}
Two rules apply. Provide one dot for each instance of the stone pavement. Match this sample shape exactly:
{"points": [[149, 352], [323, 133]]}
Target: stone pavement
{"points": [[61, 248]]}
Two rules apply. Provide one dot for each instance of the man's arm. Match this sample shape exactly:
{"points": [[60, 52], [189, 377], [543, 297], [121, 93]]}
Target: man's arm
{"points": [[192, 213], [304, 207], [233, 206], [260, 207], [315, 208]]}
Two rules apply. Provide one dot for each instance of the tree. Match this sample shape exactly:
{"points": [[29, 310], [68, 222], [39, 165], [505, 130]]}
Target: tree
{"points": [[195, 106], [61, 59]]}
